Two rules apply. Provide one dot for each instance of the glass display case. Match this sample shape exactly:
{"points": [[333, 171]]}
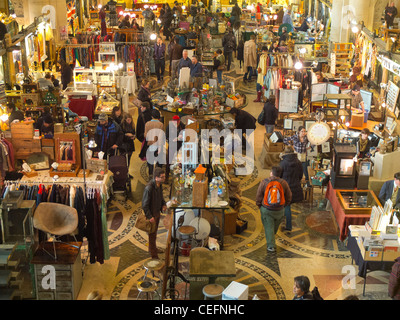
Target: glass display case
{"points": [[357, 201]]}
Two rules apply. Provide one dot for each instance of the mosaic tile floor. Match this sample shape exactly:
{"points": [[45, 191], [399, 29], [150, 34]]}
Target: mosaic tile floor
{"points": [[311, 249]]}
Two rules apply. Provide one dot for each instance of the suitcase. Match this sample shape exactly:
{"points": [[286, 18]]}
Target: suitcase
{"points": [[118, 165]]}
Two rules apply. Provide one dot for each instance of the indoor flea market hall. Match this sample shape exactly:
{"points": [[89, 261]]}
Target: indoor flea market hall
{"points": [[200, 150]]}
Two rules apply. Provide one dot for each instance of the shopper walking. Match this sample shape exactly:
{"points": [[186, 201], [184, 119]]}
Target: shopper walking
{"points": [[219, 64], [128, 129], [144, 94], [175, 56], [153, 204], [250, 57], [143, 117], [235, 14], [240, 53], [301, 145], [116, 114], [159, 58], [292, 173], [108, 135], [270, 114], [66, 74], [273, 195], [229, 44]]}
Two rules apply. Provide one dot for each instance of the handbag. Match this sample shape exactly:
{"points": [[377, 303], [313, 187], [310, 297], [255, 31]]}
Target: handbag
{"points": [[261, 117], [143, 224]]}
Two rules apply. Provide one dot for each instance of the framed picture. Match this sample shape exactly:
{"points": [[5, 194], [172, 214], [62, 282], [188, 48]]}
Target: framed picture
{"points": [[326, 147], [296, 125], [308, 124], [288, 124], [392, 127], [397, 112]]}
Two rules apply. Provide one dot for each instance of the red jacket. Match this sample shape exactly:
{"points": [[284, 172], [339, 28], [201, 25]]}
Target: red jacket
{"points": [[394, 281]]}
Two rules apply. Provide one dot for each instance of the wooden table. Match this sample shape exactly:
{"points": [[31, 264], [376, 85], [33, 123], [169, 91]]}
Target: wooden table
{"points": [[212, 264]]}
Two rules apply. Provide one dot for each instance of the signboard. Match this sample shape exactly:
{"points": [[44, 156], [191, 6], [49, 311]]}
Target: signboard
{"points": [[288, 100], [392, 95]]}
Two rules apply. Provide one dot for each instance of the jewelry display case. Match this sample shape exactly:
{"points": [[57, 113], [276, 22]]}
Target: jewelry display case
{"points": [[357, 201]]}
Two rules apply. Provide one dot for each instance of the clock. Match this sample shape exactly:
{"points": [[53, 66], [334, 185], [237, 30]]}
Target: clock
{"points": [[318, 133]]}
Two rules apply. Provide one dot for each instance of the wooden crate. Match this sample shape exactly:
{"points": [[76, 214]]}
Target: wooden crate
{"points": [[22, 130], [23, 148]]}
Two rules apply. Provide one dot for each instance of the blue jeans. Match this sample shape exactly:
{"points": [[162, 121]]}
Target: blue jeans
{"points": [[271, 221], [219, 76], [288, 215], [305, 171], [249, 72]]}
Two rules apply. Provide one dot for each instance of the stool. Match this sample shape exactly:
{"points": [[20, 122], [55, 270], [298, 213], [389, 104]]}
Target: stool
{"points": [[152, 265], [187, 231], [148, 287], [212, 291]]}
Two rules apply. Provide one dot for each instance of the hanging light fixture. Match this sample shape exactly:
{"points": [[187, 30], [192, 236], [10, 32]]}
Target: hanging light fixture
{"points": [[153, 36]]}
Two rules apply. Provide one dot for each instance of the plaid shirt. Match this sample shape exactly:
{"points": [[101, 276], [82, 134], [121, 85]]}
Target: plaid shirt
{"points": [[299, 147]]}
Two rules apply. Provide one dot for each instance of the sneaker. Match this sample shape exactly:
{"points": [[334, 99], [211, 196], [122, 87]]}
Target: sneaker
{"points": [[271, 249]]}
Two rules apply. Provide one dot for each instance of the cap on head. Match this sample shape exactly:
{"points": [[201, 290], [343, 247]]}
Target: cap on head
{"points": [[103, 117]]}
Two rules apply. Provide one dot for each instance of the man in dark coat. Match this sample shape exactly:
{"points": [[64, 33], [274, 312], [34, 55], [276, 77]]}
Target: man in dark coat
{"points": [[229, 44], [152, 204], [143, 117], [270, 114], [66, 74], [292, 173], [108, 135], [243, 121]]}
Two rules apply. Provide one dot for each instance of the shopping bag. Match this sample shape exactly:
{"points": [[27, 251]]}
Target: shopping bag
{"points": [[143, 224]]}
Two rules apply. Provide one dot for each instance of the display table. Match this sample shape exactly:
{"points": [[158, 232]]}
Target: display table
{"points": [[366, 125], [212, 264], [83, 107], [68, 271], [343, 220], [127, 82], [385, 165], [365, 266]]}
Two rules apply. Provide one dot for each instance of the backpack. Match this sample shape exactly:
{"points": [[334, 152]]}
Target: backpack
{"points": [[315, 294], [274, 196]]}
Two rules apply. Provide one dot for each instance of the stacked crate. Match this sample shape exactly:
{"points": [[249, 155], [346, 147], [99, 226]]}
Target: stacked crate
{"points": [[22, 139]]}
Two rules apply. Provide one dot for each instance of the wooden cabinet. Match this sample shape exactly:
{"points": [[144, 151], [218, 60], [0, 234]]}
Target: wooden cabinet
{"points": [[67, 271]]}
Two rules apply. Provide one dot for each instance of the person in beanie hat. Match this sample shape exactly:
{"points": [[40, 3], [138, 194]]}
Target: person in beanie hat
{"points": [[108, 135]]}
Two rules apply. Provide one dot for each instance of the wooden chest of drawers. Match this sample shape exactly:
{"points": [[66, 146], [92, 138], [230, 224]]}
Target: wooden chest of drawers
{"points": [[66, 270]]}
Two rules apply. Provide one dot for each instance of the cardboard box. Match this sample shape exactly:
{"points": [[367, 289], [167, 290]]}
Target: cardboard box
{"points": [[236, 291], [357, 120], [272, 147]]}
